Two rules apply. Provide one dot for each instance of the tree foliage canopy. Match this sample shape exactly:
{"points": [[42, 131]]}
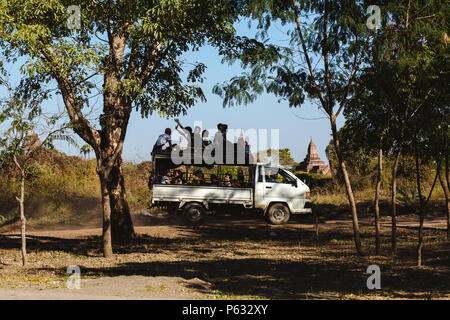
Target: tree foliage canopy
{"points": [[145, 40], [333, 33]]}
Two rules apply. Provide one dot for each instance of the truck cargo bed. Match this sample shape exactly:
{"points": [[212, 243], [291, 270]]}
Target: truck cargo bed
{"points": [[210, 194]]}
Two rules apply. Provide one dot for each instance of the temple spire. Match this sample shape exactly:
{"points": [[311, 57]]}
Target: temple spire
{"points": [[312, 160]]}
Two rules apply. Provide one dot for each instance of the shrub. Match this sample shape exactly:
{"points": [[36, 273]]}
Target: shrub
{"points": [[314, 180]]}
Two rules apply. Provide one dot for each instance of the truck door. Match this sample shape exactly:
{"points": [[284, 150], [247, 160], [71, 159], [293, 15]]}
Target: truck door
{"points": [[260, 202], [280, 186]]}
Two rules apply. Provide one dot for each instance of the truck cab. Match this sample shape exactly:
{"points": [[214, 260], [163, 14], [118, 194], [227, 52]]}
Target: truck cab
{"points": [[276, 185]]}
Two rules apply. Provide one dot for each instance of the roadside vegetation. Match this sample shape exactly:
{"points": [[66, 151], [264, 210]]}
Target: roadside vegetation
{"points": [[231, 257], [64, 190], [383, 68]]}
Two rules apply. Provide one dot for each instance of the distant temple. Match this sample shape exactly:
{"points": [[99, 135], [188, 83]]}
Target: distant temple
{"points": [[312, 162], [31, 142]]}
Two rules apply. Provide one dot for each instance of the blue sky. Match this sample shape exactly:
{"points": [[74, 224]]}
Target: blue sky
{"points": [[265, 113]]}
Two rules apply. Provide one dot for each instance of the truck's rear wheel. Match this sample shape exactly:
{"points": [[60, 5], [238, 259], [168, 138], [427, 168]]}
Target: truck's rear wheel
{"points": [[194, 214], [278, 213]]}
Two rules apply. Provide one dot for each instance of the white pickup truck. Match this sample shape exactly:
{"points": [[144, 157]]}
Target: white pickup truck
{"points": [[271, 190]]}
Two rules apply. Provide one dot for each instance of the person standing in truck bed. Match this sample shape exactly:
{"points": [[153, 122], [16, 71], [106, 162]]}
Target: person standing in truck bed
{"points": [[163, 140]]}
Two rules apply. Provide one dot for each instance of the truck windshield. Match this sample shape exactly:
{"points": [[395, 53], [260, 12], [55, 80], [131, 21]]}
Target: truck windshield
{"points": [[278, 175]]}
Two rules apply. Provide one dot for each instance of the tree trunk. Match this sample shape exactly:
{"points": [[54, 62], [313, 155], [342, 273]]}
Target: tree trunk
{"points": [[107, 143], [446, 172], [21, 201], [446, 192], [117, 223], [377, 197], [114, 122], [420, 242], [394, 201], [316, 224], [421, 208], [423, 202], [22, 217], [348, 187], [122, 224], [107, 243]]}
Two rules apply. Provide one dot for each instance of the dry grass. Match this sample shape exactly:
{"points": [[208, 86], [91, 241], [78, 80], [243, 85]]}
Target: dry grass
{"points": [[240, 259]]}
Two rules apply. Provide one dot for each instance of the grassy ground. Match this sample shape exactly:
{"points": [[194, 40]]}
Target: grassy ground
{"points": [[229, 257]]}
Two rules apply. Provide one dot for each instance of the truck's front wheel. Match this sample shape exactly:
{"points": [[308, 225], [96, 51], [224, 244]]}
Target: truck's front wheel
{"points": [[194, 214], [278, 213]]}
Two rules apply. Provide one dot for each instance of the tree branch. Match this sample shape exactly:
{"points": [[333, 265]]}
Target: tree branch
{"points": [[325, 56], [349, 82], [84, 128], [308, 61]]}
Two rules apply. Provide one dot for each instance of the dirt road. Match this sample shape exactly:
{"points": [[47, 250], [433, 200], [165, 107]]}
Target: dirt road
{"points": [[228, 257]]}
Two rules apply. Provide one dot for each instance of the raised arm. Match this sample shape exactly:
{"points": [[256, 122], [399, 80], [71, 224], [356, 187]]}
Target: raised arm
{"points": [[183, 133], [179, 124], [180, 132]]}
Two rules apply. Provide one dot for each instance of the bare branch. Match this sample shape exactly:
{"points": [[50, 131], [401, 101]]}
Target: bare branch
{"points": [[308, 61], [84, 128]]}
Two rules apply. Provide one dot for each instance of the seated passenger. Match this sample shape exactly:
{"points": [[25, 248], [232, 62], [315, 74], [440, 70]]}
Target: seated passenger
{"points": [[154, 179], [162, 140], [275, 178], [214, 180], [167, 178], [240, 182], [177, 174], [178, 181], [227, 180], [198, 179]]}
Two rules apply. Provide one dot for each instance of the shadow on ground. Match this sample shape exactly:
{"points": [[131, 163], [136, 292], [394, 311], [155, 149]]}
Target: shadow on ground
{"points": [[330, 273], [276, 279]]}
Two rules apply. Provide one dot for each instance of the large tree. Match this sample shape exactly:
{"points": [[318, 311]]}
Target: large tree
{"points": [[410, 54], [328, 40], [133, 48], [401, 93], [367, 130], [20, 115], [412, 61]]}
